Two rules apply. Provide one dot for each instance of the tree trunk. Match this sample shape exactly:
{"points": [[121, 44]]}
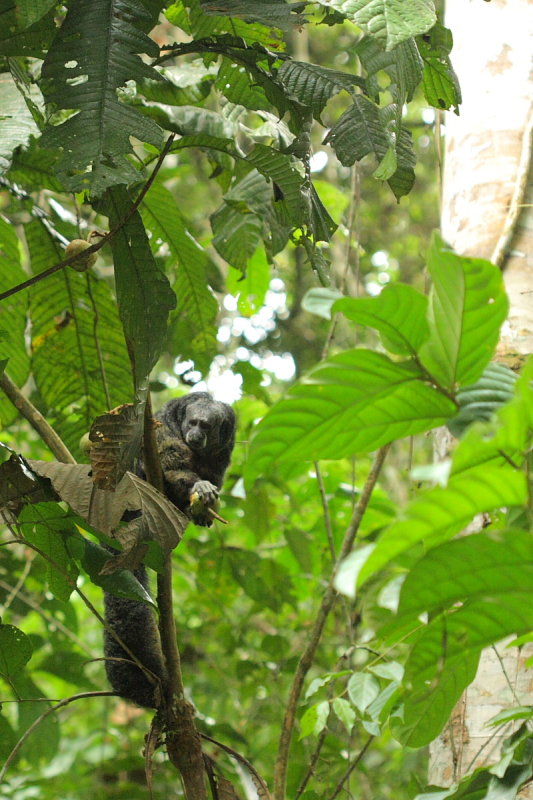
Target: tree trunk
{"points": [[487, 213]]}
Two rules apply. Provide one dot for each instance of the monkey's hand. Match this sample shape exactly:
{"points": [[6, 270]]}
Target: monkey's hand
{"points": [[204, 500]]}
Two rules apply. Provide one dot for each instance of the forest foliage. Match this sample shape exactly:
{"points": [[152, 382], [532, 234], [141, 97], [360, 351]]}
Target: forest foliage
{"points": [[328, 631]]}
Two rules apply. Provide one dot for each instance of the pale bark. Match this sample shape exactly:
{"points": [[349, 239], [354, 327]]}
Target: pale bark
{"points": [[487, 198]]}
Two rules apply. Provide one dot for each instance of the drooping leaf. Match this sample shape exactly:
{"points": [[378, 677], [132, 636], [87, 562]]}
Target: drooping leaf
{"points": [[398, 313], [144, 295], [355, 402], [237, 235], [79, 359], [389, 21], [194, 319], [93, 54], [403, 64], [441, 86], [467, 306], [358, 132]]}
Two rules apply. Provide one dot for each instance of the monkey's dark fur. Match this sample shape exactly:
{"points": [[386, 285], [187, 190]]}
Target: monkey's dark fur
{"points": [[195, 440]]}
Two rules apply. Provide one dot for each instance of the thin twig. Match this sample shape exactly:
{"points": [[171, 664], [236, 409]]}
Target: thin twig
{"points": [[40, 719], [328, 600], [337, 790], [104, 239]]}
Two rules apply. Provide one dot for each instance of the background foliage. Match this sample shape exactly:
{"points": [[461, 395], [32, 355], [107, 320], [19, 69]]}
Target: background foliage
{"points": [[249, 258]]}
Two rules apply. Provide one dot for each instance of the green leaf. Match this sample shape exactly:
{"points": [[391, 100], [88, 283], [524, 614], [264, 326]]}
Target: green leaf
{"points": [[15, 650], [237, 234], [475, 566], [480, 401], [355, 402], [507, 437], [283, 15], [467, 306], [389, 21], [344, 712], [358, 132], [398, 313], [47, 526], [80, 362], [18, 40], [312, 85], [319, 301], [194, 320], [144, 295], [442, 512], [441, 86], [12, 318], [233, 81], [403, 65], [428, 707], [250, 290], [363, 689], [17, 122], [314, 720], [93, 54]]}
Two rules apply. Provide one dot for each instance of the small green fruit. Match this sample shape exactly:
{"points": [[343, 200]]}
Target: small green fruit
{"points": [[76, 248]]}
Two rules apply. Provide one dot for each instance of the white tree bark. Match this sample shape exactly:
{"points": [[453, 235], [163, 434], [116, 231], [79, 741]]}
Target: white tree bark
{"points": [[487, 213]]}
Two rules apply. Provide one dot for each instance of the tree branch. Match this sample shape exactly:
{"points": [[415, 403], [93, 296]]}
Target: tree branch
{"points": [[183, 741], [37, 421], [328, 600], [104, 239]]}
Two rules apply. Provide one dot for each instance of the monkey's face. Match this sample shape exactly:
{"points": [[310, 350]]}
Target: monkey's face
{"points": [[199, 427]]}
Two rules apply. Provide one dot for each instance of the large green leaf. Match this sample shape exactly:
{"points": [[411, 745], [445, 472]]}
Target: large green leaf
{"points": [[355, 402], [440, 513], [92, 55], [144, 295], [364, 129], [312, 85], [12, 317], [80, 362], [389, 21], [403, 65], [358, 132], [17, 122], [197, 308], [482, 582], [478, 566], [19, 39], [467, 306], [427, 708], [398, 313]]}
